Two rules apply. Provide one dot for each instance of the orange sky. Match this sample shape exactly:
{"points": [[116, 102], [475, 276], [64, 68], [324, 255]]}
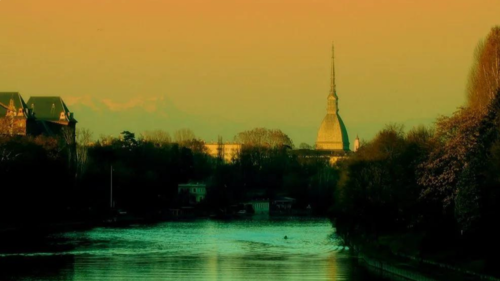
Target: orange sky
{"points": [[247, 63]]}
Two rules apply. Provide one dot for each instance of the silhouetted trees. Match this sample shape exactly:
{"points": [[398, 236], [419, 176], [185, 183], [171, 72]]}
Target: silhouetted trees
{"points": [[262, 137], [36, 184], [43, 177], [484, 77], [305, 146], [268, 168], [184, 135], [441, 183], [158, 137]]}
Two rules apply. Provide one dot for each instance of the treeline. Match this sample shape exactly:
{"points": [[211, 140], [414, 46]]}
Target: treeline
{"points": [[35, 180], [437, 187], [268, 167], [47, 179]]}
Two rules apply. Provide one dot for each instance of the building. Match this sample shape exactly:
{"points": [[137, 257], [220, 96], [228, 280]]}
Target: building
{"points": [[15, 116], [356, 144], [259, 206], [332, 138], [195, 191], [228, 151], [52, 116], [283, 204], [40, 115]]}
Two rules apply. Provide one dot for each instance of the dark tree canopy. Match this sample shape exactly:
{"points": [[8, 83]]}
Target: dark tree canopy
{"points": [[262, 137]]}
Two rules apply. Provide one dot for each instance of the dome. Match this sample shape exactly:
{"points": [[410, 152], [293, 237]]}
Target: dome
{"points": [[332, 134]]}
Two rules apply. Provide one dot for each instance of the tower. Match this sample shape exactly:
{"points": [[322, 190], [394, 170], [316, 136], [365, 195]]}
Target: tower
{"points": [[332, 134], [356, 144]]}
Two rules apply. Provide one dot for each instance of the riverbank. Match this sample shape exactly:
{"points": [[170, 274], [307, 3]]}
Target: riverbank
{"points": [[379, 256]]}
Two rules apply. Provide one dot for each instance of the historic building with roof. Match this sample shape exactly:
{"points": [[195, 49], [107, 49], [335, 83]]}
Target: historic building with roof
{"points": [[332, 139], [52, 115], [15, 116], [40, 115]]}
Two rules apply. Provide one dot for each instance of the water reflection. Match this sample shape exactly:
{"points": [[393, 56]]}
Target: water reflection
{"points": [[200, 250]]}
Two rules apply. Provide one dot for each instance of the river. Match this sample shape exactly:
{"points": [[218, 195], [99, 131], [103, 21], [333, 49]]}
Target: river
{"points": [[251, 249]]}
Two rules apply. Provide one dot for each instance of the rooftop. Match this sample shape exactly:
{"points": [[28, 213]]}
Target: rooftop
{"points": [[50, 108], [17, 102]]}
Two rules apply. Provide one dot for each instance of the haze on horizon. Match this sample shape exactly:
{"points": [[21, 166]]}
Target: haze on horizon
{"points": [[224, 66]]}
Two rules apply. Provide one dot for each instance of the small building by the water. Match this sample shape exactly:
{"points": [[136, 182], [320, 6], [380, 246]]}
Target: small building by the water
{"points": [[284, 203], [196, 191], [260, 206]]}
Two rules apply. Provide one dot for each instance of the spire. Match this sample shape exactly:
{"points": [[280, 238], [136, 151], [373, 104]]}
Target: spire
{"points": [[333, 88], [11, 111], [332, 100]]}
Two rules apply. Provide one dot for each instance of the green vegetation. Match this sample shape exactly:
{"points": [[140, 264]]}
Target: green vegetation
{"points": [[432, 192], [51, 180], [429, 192]]}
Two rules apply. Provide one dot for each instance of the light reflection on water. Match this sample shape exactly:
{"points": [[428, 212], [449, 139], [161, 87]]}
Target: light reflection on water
{"points": [[253, 249]]}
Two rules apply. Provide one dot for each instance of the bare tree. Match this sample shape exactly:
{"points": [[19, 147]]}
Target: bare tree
{"points": [[184, 135], [158, 137], [83, 141], [106, 140], [68, 137], [6, 155]]}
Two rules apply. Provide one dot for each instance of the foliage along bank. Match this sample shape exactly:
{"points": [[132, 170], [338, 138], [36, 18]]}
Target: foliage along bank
{"points": [[45, 179], [432, 192]]}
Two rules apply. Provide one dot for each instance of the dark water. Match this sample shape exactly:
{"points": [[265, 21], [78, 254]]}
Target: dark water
{"points": [[253, 249]]}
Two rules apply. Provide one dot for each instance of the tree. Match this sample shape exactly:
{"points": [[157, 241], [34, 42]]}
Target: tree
{"points": [[184, 135], [484, 76], [68, 141], [83, 141], [305, 146], [220, 151], [455, 137], [158, 137], [455, 171], [128, 139], [378, 188], [262, 137]]}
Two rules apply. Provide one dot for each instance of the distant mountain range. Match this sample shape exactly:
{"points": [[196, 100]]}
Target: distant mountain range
{"points": [[108, 117]]}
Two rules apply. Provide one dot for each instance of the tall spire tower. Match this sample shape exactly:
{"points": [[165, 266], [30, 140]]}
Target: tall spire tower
{"points": [[332, 134], [333, 89], [332, 100]]}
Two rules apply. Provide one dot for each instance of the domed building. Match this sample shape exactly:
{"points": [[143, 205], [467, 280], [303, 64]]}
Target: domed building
{"points": [[332, 134]]}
